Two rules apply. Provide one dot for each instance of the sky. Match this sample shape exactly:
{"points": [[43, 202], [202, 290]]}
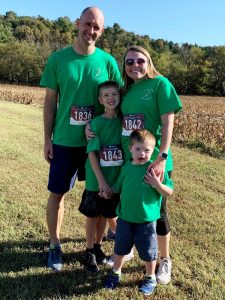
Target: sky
{"points": [[200, 22]]}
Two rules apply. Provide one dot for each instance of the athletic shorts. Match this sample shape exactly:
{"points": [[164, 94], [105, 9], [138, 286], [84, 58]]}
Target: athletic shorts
{"points": [[92, 205], [142, 235], [68, 163], [162, 224]]}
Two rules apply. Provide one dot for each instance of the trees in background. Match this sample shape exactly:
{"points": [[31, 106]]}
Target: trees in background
{"points": [[26, 42]]}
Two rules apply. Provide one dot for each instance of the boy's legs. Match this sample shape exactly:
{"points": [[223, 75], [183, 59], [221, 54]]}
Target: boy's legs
{"points": [[112, 229], [123, 246], [145, 240], [91, 228], [91, 207], [100, 230], [150, 267]]}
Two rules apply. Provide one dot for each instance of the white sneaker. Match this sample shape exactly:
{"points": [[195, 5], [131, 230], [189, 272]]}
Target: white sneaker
{"points": [[129, 256], [163, 275]]}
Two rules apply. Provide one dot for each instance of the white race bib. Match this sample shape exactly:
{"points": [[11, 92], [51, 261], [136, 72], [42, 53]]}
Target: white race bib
{"points": [[81, 115], [111, 156]]}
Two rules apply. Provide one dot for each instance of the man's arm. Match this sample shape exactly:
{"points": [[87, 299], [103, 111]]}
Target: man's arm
{"points": [[50, 108]]}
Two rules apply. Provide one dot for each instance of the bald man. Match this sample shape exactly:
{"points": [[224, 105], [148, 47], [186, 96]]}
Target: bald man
{"points": [[71, 78]]}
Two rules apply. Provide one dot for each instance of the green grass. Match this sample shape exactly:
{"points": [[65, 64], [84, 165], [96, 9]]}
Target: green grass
{"points": [[197, 211]]}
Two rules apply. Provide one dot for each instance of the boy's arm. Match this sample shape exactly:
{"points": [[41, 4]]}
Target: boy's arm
{"points": [[155, 181], [104, 189]]}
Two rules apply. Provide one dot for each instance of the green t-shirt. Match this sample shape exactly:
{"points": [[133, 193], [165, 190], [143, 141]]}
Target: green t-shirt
{"points": [[148, 100], [139, 202], [107, 145], [76, 78]]}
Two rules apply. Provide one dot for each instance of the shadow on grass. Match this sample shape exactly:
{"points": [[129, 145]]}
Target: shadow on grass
{"points": [[17, 256], [23, 274], [50, 285]]}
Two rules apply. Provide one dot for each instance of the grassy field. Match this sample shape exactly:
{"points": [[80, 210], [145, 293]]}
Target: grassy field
{"points": [[197, 211]]}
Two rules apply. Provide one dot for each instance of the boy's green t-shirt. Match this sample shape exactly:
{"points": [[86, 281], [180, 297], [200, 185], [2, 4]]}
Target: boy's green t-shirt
{"points": [[143, 105], [76, 78], [139, 202], [107, 146]]}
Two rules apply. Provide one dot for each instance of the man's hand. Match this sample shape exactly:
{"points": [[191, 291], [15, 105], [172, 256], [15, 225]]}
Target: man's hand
{"points": [[89, 133], [48, 150]]}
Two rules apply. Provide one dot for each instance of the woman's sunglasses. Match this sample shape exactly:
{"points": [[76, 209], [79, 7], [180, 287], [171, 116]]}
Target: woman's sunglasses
{"points": [[130, 61]]}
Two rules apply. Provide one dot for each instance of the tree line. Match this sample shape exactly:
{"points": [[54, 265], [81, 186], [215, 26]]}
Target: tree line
{"points": [[26, 42]]}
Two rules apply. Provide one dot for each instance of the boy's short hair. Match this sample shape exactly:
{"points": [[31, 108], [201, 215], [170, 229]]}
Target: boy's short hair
{"points": [[108, 84], [140, 135]]}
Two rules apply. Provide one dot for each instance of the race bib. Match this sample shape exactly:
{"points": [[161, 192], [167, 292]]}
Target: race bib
{"points": [[111, 156], [81, 115], [131, 122]]}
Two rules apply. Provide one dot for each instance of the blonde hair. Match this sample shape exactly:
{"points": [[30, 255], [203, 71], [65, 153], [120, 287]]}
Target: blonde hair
{"points": [[140, 135], [151, 72]]}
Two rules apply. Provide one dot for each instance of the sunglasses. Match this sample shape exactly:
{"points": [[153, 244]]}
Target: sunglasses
{"points": [[130, 61]]}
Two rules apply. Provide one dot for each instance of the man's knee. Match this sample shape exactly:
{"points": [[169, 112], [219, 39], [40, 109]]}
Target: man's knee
{"points": [[56, 197]]}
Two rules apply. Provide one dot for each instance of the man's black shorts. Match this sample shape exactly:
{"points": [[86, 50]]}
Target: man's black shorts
{"points": [[68, 163]]}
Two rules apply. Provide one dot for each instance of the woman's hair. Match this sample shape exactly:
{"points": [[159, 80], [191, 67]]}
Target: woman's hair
{"points": [[151, 72]]}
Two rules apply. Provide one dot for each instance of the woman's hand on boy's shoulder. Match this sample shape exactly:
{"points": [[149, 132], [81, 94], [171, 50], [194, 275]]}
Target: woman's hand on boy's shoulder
{"points": [[152, 178], [158, 166]]}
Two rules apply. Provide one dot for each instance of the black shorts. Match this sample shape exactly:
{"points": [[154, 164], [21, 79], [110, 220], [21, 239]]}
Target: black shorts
{"points": [[162, 224], [68, 163], [92, 205]]}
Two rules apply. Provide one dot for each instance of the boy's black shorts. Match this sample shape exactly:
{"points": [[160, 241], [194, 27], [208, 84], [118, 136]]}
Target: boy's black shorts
{"points": [[92, 205]]}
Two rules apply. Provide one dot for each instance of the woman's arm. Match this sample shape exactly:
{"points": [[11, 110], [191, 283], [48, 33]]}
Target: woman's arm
{"points": [[154, 180], [167, 131]]}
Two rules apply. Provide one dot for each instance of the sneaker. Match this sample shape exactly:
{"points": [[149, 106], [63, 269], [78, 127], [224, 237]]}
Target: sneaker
{"points": [[163, 275], [55, 258], [101, 258], [91, 263], [110, 235], [129, 256], [112, 281], [147, 286]]}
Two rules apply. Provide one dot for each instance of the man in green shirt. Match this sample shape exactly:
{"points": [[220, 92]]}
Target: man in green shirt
{"points": [[71, 77]]}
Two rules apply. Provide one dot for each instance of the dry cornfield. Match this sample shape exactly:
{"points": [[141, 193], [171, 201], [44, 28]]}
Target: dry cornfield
{"points": [[22, 94], [202, 120]]}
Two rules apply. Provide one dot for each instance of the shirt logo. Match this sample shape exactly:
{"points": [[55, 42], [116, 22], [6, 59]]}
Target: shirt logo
{"points": [[147, 94], [98, 72]]}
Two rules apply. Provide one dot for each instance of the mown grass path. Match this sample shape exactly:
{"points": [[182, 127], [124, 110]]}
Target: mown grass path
{"points": [[197, 211]]}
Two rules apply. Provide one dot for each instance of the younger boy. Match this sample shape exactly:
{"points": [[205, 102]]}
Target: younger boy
{"points": [[102, 169], [138, 210]]}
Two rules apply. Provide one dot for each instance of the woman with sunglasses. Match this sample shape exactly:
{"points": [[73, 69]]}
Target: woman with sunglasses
{"points": [[150, 101]]}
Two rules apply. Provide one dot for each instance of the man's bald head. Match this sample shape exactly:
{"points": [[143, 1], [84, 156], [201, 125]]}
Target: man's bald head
{"points": [[95, 11]]}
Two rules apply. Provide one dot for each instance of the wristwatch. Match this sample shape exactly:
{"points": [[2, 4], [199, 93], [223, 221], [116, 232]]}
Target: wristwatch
{"points": [[163, 155]]}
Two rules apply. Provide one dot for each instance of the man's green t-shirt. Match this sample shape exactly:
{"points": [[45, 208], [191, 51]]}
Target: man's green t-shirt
{"points": [[139, 202], [142, 107], [76, 78], [107, 146]]}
